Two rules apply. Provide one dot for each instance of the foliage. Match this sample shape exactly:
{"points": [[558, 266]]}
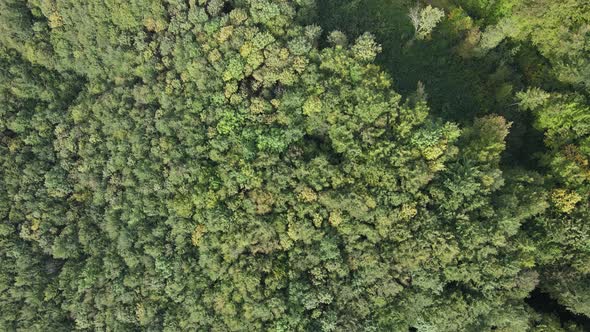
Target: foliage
{"points": [[259, 165], [425, 19]]}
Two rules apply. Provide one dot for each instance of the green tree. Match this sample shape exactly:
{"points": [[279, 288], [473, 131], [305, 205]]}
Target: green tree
{"points": [[210, 165]]}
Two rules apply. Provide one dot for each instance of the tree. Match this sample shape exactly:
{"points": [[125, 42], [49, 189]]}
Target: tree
{"points": [[425, 19], [209, 165]]}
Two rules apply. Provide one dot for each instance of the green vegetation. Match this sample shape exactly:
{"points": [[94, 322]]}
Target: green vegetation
{"points": [[292, 165]]}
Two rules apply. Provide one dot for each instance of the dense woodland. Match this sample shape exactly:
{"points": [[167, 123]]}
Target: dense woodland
{"points": [[295, 165]]}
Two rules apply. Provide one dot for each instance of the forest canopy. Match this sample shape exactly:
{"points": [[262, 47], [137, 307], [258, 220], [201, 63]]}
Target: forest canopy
{"points": [[295, 165]]}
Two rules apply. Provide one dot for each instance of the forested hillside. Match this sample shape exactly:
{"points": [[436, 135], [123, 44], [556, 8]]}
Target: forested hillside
{"points": [[295, 165]]}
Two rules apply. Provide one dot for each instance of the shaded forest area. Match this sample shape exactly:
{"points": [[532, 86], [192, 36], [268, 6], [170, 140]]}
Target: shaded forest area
{"points": [[295, 165], [462, 81]]}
